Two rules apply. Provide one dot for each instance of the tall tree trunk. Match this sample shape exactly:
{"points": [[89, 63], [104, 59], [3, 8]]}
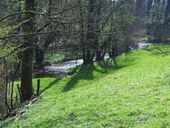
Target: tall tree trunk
{"points": [[149, 7], [90, 38], [82, 35], [166, 25], [39, 57], [99, 55], [27, 61], [40, 52], [97, 31], [2, 91], [167, 12]]}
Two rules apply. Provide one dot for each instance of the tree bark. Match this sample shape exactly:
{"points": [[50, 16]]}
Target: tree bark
{"points": [[167, 12], [39, 57], [90, 38], [27, 60], [2, 91]]}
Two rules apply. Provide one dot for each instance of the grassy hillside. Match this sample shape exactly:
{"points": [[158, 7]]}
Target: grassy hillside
{"points": [[136, 93]]}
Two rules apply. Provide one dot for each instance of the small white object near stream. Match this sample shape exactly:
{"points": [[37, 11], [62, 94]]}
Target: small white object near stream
{"points": [[143, 45]]}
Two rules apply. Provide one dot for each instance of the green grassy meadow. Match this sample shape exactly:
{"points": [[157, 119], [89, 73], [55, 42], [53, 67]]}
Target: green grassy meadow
{"points": [[133, 94]]}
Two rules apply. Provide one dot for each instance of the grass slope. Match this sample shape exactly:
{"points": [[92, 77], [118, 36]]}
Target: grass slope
{"points": [[134, 94]]}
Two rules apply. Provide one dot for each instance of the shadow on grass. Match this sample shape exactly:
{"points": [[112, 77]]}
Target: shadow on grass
{"points": [[86, 72], [89, 72], [51, 84]]}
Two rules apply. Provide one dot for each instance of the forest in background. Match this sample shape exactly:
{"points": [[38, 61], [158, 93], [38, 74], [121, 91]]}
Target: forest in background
{"points": [[31, 30]]}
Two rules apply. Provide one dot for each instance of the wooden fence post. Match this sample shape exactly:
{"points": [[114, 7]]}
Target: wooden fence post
{"points": [[38, 87], [19, 91]]}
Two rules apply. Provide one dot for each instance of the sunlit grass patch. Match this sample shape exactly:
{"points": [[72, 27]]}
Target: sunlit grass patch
{"points": [[136, 93]]}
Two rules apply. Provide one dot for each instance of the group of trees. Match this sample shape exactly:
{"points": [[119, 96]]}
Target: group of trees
{"points": [[158, 20], [94, 27]]}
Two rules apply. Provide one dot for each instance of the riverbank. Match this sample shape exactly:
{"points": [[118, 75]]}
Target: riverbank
{"points": [[61, 69], [133, 94]]}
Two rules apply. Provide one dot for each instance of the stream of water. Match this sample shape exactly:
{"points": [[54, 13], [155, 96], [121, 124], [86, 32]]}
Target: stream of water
{"points": [[61, 69]]}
